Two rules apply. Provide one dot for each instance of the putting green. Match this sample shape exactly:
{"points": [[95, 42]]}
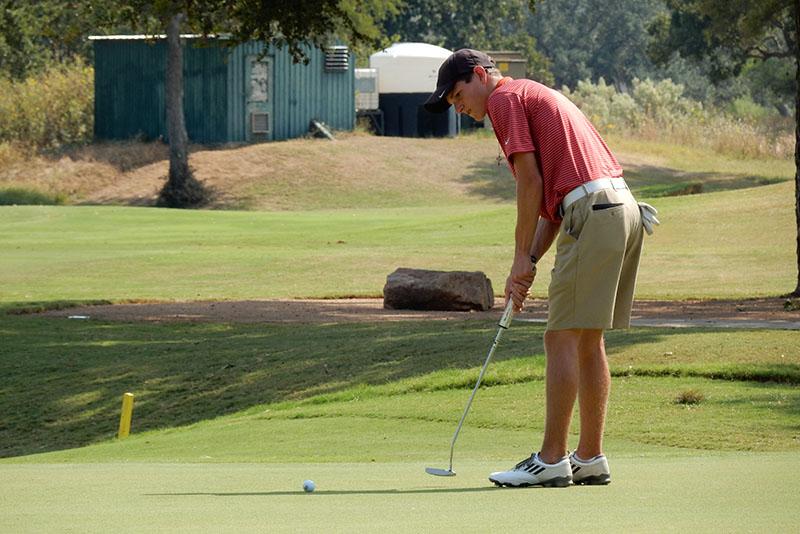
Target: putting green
{"points": [[731, 492]]}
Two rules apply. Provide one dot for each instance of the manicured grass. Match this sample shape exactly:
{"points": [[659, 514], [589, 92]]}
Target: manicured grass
{"points": [[128, 253], [62, 380], [648, 494]]}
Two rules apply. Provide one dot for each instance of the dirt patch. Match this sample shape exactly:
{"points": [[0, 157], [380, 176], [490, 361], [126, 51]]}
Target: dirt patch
{"points": [[750, 313]]}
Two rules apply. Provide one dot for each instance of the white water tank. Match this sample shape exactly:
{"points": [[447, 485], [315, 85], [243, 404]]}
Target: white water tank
{"points": [[408, 67]]}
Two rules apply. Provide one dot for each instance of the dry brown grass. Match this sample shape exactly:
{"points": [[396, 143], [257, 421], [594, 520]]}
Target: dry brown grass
{"points": [[356, 170]]}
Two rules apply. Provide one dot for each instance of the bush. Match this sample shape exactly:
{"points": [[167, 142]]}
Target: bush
{"points": [[651, 103], [18, 196], [659, 111], [49, 110], [746, 109]]}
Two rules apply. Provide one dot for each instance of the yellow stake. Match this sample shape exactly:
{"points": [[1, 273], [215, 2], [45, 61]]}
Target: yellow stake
{"points": [[127, 415]]}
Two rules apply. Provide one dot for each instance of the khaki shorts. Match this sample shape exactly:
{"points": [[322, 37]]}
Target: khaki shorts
{"points": [[597, 258]]}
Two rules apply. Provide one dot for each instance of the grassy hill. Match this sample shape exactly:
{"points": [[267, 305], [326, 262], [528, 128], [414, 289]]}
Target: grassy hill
{"points": [[356, 171]]}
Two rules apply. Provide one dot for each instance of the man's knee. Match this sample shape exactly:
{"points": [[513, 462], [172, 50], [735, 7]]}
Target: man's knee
{"points": [[559, 339], [591, 344]]}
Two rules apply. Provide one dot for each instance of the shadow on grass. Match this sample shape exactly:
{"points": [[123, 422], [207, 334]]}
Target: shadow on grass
{"points": [[125, 156], [489, 181], [62, 381], [329, 492], [653, 181]]}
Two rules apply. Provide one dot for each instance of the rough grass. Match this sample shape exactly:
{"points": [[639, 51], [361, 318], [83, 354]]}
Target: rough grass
{"points": [[358, 171]]}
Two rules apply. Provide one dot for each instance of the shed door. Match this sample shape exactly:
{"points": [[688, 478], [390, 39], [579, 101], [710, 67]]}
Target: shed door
{"points": [[259, 99]]}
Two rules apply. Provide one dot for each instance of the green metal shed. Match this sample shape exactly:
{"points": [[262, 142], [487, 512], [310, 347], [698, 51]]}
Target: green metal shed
{"points": [[230, 94]]}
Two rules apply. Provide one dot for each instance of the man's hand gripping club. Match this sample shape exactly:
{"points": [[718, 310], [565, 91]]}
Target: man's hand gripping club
{"points": [[519, 282]]}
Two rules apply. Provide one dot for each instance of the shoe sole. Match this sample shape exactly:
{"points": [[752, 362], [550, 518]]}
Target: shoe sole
{"points": [[558, 482], [598, 480]]}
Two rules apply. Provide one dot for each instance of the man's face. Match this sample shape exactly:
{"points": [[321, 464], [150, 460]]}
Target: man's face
{"points": [[470, 97]]}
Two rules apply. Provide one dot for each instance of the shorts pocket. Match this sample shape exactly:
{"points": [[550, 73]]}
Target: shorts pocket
{"points": [[600, 207]]}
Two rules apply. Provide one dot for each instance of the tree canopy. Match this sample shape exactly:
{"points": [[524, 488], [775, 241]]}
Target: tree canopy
{"points": [[729, 33], [480, 24], [590, 39]]}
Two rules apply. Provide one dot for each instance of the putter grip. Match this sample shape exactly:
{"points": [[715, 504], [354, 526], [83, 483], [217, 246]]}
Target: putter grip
{"points": [[505, 320]]}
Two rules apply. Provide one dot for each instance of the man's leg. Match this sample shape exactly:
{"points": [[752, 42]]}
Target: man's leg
{"points": [[561, 390], [576, 367], [550, 467], [593, 388]]}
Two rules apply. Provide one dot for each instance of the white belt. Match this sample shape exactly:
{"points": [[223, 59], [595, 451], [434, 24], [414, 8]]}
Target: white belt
{"points": [[586, 189]]}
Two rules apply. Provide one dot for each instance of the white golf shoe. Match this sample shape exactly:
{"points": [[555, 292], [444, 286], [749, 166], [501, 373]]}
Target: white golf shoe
{"points": [[590, 472], [534, 472]]}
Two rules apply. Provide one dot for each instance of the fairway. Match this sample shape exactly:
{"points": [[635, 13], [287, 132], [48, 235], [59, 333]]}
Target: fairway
{"points": [[134, 253], [707, 493]]}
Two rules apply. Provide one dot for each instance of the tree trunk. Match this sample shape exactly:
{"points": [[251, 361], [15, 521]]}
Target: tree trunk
{"points": [[796, 292], [182, 190]]}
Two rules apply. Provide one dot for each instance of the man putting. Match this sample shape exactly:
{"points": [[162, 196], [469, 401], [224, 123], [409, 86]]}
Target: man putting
{"points": [[568, 184]]}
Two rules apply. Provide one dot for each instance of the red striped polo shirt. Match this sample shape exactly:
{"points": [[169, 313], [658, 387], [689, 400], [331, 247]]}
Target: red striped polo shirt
{"points": [[530, 117]]}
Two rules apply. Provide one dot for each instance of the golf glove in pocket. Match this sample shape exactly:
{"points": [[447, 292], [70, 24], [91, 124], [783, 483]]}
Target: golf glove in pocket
{"points": [[648, 217]]}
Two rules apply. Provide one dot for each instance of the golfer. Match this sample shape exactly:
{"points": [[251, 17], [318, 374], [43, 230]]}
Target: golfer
{"points": [[570, 187]]}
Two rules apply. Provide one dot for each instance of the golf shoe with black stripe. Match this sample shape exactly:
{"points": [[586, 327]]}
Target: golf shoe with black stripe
{"points": [[534, 472], [590, 472]]}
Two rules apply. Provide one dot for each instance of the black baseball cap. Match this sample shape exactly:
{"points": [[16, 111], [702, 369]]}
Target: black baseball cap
{"points": [[457, 65]]}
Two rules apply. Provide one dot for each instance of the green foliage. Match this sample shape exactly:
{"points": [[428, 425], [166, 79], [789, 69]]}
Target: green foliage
{"points": [[49, 110], [771, 82], [18, 196], [35, 35], [658, 110], [649, 102], [290, 24], [590, 39], [746, 109], [728, 34], [453, 24]]}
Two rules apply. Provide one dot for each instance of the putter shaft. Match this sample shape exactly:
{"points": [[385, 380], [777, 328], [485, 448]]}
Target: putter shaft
{"points": [[505, 320]]}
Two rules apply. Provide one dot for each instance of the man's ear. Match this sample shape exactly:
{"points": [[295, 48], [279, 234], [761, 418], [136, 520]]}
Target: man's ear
{"points": [[481, 73]]}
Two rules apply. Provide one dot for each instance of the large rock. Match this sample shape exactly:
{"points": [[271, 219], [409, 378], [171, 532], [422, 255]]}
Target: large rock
{"points": [[419, 289]]}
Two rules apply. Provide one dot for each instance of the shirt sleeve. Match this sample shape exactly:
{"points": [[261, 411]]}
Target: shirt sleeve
{"points": [[510, 123]]}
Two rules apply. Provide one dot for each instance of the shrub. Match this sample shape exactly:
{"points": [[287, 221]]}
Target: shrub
{"points": [[18, 196], [659, 111], [49, 110]]}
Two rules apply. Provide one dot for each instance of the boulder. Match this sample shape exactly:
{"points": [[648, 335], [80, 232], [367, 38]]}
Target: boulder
{"points": [[420, 289]]}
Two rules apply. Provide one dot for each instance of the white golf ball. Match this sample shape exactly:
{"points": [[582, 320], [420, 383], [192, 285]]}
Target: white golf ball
{"points": [[309, 486]]}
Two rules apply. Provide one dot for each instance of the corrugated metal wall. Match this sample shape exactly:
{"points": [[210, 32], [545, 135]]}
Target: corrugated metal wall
{"points": [[311, 92], [205, 94], [129, 92], [129, 89]]}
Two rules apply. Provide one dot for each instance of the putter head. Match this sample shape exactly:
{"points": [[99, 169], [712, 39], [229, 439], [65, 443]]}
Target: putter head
{"points": [[439, 472]]}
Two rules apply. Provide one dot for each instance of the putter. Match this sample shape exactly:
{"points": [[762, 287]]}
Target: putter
{"points": [[505, 321]]}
